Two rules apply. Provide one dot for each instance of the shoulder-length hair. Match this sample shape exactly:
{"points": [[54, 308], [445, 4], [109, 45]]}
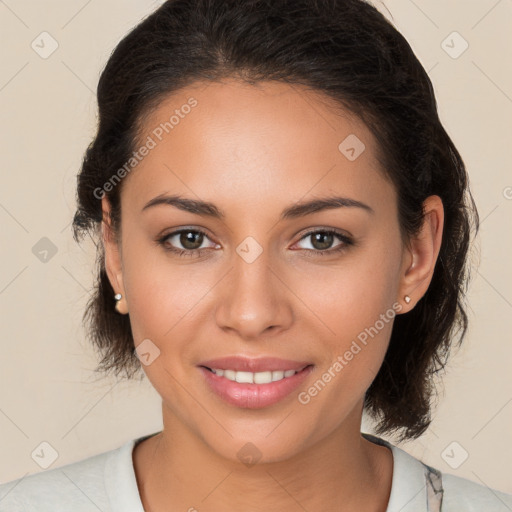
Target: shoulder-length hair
{"points": [[347, 50]]}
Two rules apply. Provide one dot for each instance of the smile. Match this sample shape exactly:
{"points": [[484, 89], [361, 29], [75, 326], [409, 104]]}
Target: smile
{"points": [[265, 377], [254, 390]]}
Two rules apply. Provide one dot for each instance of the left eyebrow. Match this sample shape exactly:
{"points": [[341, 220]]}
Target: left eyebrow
{"points": [[316, 205], [295, 211]]}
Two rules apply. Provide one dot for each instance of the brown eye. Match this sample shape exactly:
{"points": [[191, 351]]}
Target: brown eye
{"points": [[322, 241], [185, 242], [190, 239]]}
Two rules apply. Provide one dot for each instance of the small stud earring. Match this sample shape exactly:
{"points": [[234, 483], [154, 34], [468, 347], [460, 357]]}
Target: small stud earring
{"points": [[407, 299], [118, 298]]}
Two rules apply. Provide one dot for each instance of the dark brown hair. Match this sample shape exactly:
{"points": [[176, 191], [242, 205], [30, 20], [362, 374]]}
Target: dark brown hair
{"points": [[347, 50]]}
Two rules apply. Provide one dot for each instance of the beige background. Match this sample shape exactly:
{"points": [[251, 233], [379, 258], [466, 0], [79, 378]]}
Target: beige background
{"points": [[48, 391]]}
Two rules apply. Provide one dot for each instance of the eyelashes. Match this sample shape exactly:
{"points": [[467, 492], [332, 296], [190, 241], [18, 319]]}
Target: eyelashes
{"points": [[163, 241], [188, 253], [346, 241]]}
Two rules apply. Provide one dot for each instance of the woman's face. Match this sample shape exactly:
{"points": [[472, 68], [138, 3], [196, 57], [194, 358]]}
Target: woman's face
{"points": [[259, 283]]}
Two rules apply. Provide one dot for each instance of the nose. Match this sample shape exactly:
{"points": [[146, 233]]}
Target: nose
{"points": [[254, 300]]}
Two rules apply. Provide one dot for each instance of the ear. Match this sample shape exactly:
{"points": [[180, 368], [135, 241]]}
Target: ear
{"points": [[113, 260], [421, 254]]}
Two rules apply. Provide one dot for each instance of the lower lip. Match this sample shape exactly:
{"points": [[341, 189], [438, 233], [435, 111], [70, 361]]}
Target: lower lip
{"points": [[254, 396]]}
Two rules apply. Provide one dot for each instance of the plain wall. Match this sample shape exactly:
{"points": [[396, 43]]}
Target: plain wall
{"points": [[48, 391]]}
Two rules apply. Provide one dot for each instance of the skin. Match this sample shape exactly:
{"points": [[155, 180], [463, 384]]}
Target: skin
{"points": [[254, 150]]}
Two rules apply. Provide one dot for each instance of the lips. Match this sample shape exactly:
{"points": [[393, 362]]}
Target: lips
{"points": [[253, 395], [254, 365]]}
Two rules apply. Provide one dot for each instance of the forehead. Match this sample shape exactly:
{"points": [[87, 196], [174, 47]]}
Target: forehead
{"points": [[250, 144]]}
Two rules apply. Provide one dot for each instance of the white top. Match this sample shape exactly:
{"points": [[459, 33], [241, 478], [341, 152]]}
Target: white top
{"points": [[106, 482]]}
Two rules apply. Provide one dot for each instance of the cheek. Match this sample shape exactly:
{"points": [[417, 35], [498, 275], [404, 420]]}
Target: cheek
{"points": [[164, 296], [351, 296], [355, 306], [356, 316]]}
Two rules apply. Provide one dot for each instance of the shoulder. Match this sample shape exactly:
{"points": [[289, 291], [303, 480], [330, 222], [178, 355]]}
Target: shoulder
{"points": [[450, 493], [80, 483], [463, 494], [418, 487]]}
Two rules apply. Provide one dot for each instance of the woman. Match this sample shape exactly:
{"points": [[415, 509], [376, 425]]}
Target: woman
{"points": [[284, 228]]}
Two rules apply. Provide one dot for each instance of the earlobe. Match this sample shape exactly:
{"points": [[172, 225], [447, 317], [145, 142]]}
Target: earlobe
{"points": [[423, 251], [113, 264]]}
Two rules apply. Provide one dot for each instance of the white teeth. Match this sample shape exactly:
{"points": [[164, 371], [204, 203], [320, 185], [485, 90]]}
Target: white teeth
{"points": [[244, 377], [254, 378]]}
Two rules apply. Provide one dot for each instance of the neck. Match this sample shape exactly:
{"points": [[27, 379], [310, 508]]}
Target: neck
{"points": [[343, 472]]}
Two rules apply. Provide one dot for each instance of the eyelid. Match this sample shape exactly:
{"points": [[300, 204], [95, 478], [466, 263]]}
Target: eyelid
{"points": [[176, 231], [345, 238], [324, 229], [340, 232]]}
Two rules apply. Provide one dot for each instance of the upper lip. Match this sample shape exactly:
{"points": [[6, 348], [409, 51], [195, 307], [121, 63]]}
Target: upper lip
{"points": [[254, 365]]}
